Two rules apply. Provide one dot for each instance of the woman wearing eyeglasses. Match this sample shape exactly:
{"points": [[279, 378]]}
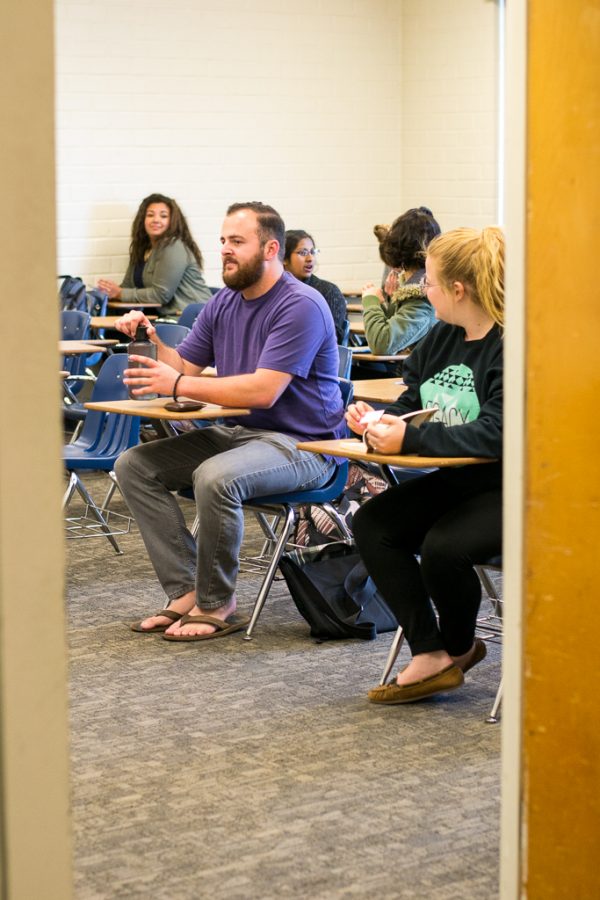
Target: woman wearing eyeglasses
{"points": [[452, 518], [401, 317], [300, 260]]}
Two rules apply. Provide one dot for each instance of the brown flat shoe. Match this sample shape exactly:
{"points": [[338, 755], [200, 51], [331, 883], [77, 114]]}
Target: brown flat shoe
{"points": [[479, 653], [447, 680], [157, 629]]}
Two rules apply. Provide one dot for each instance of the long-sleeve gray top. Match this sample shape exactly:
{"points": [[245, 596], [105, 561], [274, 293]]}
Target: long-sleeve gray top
{"points": [[171, 277]]}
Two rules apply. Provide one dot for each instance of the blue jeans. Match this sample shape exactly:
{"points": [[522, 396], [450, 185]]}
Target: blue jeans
{"points": [[225, 466]]}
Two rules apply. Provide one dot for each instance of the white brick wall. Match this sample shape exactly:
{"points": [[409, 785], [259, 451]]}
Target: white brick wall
{"points": [[449, 109], [316, 108]]}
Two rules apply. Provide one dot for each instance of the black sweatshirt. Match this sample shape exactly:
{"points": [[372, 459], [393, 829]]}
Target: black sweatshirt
{"points": [[464, 379]]}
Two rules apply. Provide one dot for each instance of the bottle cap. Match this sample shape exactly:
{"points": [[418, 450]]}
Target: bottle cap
{"points": [[140, 333]]}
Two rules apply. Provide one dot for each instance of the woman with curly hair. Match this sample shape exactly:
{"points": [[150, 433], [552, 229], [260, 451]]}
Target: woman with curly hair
{"points": [[421, 539], [165, 263], [396, 320]]}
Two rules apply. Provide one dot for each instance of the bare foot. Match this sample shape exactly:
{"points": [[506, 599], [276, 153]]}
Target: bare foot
{"points": [[423, 665], [222, 612], [182, 605]]}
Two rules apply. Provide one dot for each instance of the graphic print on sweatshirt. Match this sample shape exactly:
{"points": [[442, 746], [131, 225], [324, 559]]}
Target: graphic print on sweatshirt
{"points": [[453, 391]]}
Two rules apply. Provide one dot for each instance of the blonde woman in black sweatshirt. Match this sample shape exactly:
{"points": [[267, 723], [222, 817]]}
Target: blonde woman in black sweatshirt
{"points": [[421, 539]]}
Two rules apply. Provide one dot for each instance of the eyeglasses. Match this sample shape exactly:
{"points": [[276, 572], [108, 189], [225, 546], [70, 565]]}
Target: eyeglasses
{"points": [[305, 253], [425, 285]]}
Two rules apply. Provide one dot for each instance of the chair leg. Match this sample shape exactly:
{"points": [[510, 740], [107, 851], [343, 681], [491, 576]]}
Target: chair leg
{"points": [[493, 716], [284, 535], [495, 627], [71, 488], [487, 582], [392, 655], [490, 589], [87, 499], [69, 395], [77, 431], [269, 529], [339, 521], [111, 491]]}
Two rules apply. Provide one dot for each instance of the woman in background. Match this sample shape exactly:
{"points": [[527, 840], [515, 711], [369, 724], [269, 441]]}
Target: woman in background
{"points": [[165, 263], [451, 518], [300, 260], [397, 321]]}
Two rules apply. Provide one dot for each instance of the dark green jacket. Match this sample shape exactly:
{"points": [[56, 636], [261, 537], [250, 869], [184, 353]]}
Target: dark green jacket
{"points": [[402, 322]]}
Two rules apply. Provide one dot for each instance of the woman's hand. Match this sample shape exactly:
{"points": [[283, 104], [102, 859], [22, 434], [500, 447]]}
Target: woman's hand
{"points": [[369, 290], [387, 435], [391, 282], [354, 414], [131, 321], [154, 378], [111, 288]]}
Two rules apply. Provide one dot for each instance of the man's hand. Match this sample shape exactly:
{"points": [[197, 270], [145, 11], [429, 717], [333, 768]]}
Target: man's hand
{"points": [[387, 435], [111, 288], [130, 322], [155, 378], [354, 414]]}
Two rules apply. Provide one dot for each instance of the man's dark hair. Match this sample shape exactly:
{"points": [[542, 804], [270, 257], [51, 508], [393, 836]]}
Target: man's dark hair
{"points": [[270, 224], [403, 247]]}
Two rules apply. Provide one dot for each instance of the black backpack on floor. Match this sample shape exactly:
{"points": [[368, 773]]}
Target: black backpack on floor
{"points": [[334, 593]]}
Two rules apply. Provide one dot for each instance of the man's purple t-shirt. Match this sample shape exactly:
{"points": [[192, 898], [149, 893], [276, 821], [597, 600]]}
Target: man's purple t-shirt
{"points": [[288, 329]]}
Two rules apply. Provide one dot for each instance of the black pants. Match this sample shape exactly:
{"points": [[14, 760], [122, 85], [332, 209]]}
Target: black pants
{"points": [[452, 518]]}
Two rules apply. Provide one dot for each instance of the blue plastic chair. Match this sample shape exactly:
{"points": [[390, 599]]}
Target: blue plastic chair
{"points": [[102, 440], [75, 326], [191, 313], [345, 362], [74, 410], [285, 508], [172, 334], [345, 337], [97, 306]]}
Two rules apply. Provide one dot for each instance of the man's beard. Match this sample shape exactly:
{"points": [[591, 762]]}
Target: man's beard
{"points": [[246, 274]]}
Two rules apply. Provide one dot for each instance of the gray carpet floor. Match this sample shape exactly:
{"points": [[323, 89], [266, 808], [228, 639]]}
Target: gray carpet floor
{"points": [[232, 769]]}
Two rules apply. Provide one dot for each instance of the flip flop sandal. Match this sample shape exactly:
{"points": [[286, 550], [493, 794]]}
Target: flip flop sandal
{"points": [[167, 613], [233, 623]]}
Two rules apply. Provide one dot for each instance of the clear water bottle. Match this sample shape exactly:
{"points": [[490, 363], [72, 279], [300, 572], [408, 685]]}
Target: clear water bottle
{"points": [[141, 346]]}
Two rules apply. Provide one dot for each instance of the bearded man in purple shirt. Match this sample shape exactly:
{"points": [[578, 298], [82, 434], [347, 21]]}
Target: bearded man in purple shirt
{"points": [[272, 340]]}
